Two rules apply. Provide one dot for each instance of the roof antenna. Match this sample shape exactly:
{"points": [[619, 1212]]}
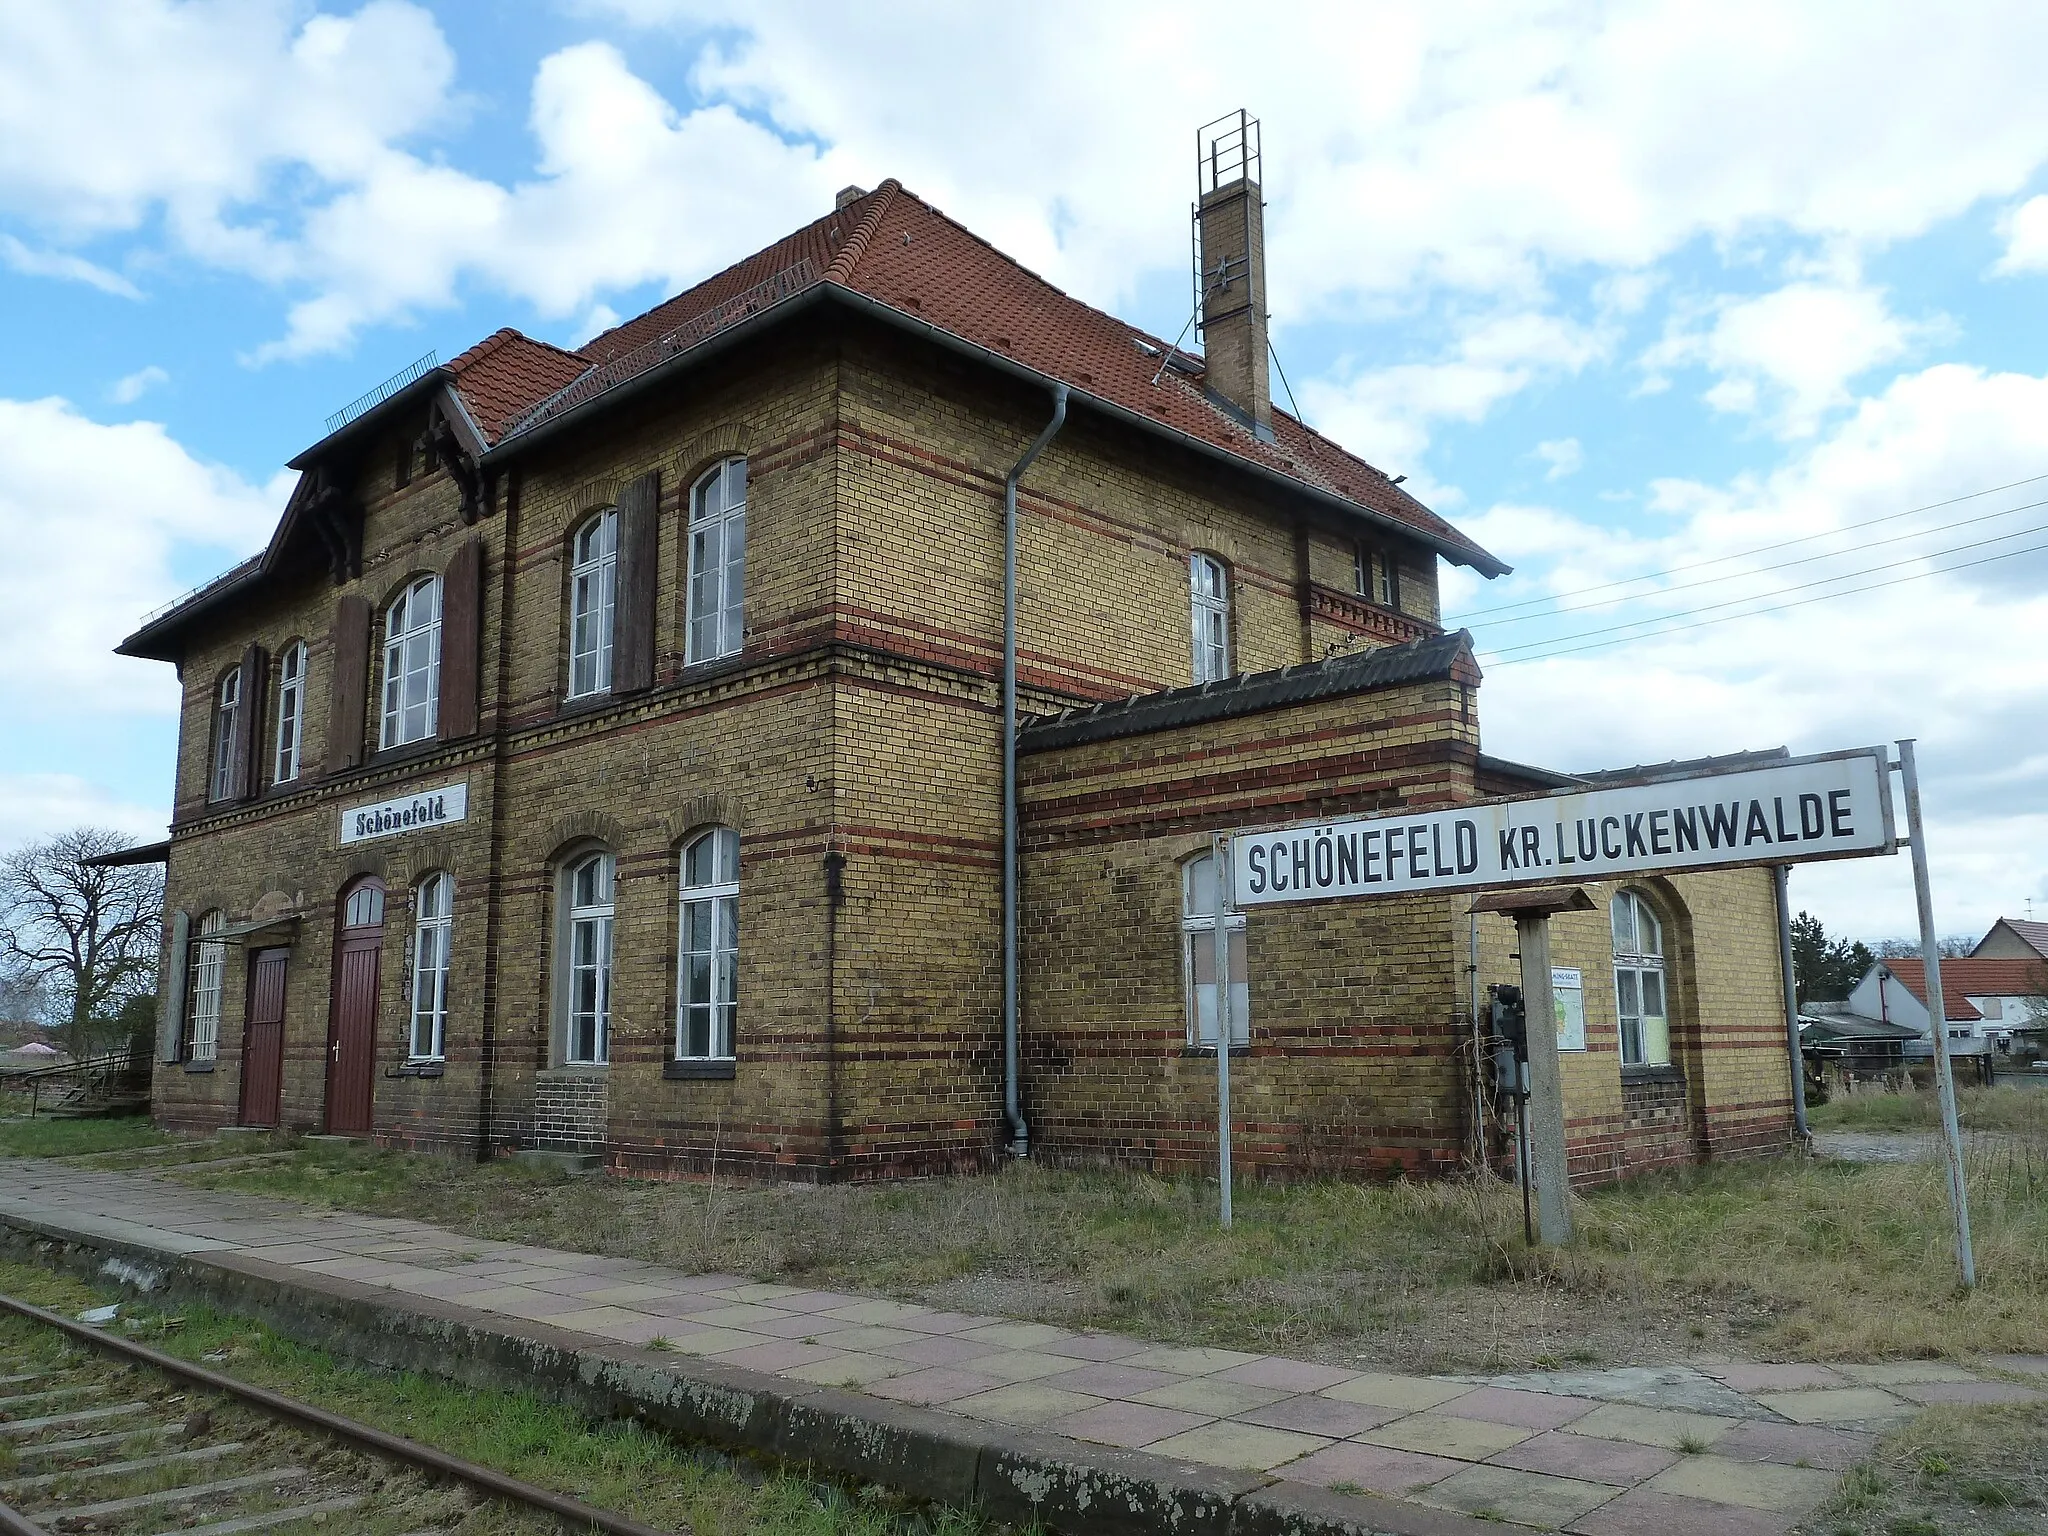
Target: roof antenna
{"points": [[1166, 357], [1285, 385]]}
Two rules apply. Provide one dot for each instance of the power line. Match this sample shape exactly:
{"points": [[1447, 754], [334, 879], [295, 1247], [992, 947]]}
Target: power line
{"points": [[1763, 549], [1786, 565], [1801, 602]]}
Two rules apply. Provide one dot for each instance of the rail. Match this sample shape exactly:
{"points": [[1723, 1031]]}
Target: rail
{"points": [[424, 1458]]}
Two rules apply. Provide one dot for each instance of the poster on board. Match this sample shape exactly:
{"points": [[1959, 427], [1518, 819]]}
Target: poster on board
{"points": [[1568, 995]]}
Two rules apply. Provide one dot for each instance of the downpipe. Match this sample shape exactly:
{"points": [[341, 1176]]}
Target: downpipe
{"points": [[1013, 1114]]}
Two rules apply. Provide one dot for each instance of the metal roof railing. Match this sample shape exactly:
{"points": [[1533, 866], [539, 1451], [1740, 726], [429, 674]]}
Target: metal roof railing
{"points": [[593, 382], [411, 374]]}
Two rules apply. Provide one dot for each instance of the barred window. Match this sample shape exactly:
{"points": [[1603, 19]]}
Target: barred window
{"points": [[412, 664], [593, 596], [1209, 597], [718, 563], [1198, 957], [708, 949], [433, 927], [1639, 994]]}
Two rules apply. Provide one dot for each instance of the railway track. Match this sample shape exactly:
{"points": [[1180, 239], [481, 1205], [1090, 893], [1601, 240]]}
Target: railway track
{"points": [[100, 1434]]}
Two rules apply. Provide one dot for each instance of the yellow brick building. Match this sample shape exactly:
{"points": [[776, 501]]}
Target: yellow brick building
{"points": [[607, 753]]}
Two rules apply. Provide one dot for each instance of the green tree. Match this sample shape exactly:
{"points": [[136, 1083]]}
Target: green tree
{"points": [[1825, 969]]}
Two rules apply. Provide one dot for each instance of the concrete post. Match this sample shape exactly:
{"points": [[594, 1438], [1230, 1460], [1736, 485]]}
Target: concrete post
{"points": [[1546, 1082]]}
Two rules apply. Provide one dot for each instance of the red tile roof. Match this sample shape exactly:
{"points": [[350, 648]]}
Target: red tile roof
{"points": [[503, 375], [895, 248], [2026, 931], [1963, 979]]}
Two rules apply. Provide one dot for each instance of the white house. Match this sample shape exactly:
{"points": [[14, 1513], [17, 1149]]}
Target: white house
{"points": [[1987, 1001]]}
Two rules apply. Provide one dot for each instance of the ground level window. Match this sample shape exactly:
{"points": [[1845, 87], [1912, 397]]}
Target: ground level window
{"points": [[433, 926], [708, 948], [1639, 993], [588, 1015], [1198, 957], [209, 968]]}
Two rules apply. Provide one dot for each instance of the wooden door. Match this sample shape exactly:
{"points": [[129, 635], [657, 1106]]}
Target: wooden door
{"points": [[352, 1024], [263, 1040]]}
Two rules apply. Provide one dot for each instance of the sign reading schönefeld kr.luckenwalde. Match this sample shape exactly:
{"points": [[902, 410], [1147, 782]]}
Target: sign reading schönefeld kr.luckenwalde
{"points": [[1828, 807], [407, 813]]}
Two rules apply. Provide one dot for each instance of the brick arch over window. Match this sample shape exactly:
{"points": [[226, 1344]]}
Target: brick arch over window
{"points": [[707, 450], [357, 865], [422, 857], [566, 833], [701, 811]]}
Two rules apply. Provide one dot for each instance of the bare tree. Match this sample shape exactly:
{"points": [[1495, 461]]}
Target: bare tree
{"points": [[87, 933], [1950, 946]]}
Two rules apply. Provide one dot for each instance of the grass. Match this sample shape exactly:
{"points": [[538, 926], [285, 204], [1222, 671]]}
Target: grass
{"points": [[617, 1466], [2014, 1107], [1777, 1258], [1951, 1472], [73, 1138]]}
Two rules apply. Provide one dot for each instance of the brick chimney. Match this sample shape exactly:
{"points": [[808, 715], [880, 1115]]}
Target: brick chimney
{"points": [[1230, 254]]}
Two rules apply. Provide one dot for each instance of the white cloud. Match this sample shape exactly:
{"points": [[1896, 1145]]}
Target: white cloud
{"points": [[39, 805], [1791, 353], [65, 267], [1563, 456], [2026, 238], [132, 387], [1948, 659], [93, 515], [1493, 148]]}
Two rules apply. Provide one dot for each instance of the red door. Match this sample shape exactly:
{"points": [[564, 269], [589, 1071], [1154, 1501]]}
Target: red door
{"points": [[263, 1040], [352, 1025]]}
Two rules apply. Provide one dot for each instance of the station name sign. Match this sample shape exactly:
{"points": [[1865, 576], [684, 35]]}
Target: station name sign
{"points": [[408, 813], [1801, 809]]}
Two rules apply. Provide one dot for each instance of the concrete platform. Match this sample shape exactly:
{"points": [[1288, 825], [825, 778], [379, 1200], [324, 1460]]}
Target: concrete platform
{"points": [[1080, 1431]]}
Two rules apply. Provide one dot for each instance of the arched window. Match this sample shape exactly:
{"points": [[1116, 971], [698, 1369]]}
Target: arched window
{"points": [[1639, 993], [412, 663], [291, 712], [593, 593], [1198, 957], [227, 731], [209, 967], [364, 907], [433, 924], [1209, 596], [718, 562], [585, 980], [708, 949]]}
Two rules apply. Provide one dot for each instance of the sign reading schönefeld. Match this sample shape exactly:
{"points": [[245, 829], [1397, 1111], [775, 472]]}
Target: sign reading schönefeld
{"points": [[1829, 807], [407, 813]]}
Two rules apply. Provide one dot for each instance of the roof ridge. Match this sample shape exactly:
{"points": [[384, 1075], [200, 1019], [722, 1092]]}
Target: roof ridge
{"points": [[848, 255]]}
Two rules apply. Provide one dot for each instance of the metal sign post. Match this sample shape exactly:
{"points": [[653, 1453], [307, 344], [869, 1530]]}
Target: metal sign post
{"points": [[1937, 1017], [1222, 937]]}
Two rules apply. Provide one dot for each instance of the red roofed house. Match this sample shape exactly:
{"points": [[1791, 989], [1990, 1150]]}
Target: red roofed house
{"points": [[2013, 938], [608, 753], [1988, 1002]]}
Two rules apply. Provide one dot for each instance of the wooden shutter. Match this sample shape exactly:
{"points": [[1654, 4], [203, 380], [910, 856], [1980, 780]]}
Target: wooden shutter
{"points": [[461, 635], [170, 1004], [249, 728], [348, 690], [639, 572]]}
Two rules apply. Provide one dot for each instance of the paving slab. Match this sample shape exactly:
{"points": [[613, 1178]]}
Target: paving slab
{"points": [[1619, 1462], [1095, 1346], [1507, 1405], [1314, 1415], [1680, 1387], [2020, 1365], [1967, 1393], [1523, 1498], [1806, 1445], [1746, 1377], [1669, 1427], [1351, 1464], [1641, 1512], [1207, 1394], [935, 1385], [1127, 1424], [1894, 1373], [1024, 1402], [1748, 1484], [1408, 1393], [1243, 1446], [1287, 1375], [1837, 1405], [1184, 1361], [1435, 1434]]}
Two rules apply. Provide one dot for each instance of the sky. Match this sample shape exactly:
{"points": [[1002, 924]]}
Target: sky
{"points": [[1724, 325]]}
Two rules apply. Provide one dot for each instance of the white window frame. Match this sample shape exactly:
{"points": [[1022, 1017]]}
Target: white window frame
{"points": [[585, 932], [209, 977], [1209, 617], [716, 584], [715, 903], [227, 728], [433, 932], [412, 664], [1644, 1036], [1198, 954], [291, 713], [593, 598]]}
